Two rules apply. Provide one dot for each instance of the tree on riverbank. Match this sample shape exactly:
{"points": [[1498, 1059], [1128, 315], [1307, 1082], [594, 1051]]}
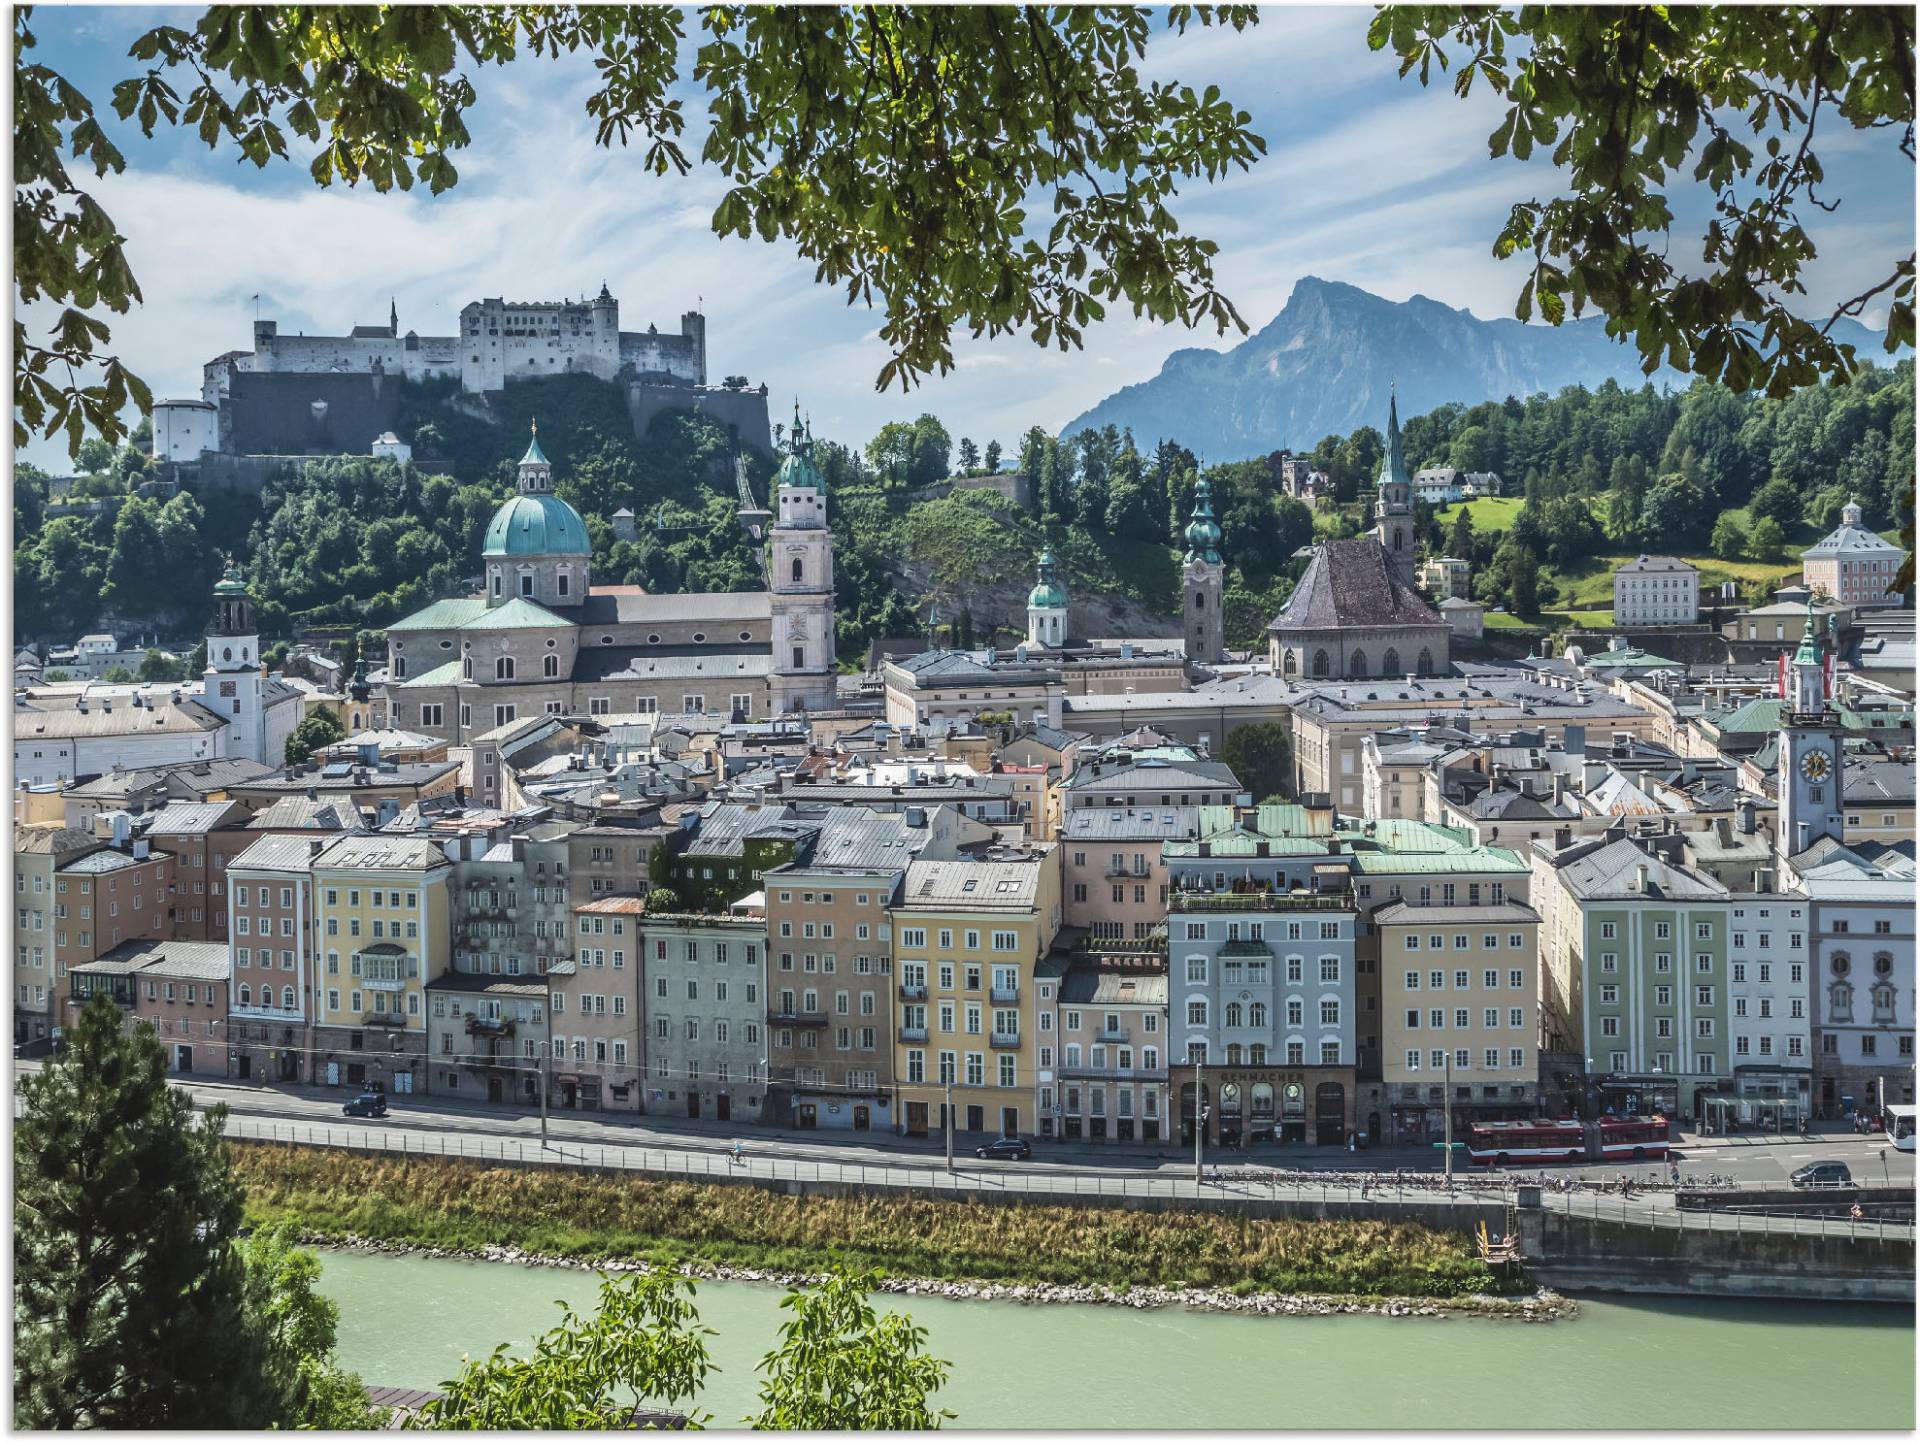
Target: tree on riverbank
{"points": [[129, 1293], [838, 1365], [842, 1366]]}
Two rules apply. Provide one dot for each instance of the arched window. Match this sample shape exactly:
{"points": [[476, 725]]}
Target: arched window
{"points": [[466, 668], [1358, 667], [1289, 664], [246, 996], [1390, 664], [1396, 538], [1841, 1007], [1233, 1015], [1199, 601], [796, 569], [496, 581], [286, 999], [1426, 663], [1320, 664], [1257, 1015], [549, 665], [503, 669]]}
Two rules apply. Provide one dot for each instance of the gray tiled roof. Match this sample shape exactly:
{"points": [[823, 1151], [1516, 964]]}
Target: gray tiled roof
{"points": [[1352, 584], [1113, 987], [1611, 871]]}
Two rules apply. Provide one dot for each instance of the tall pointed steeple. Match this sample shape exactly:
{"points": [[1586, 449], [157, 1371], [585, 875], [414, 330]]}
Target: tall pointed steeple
{"points": [[393, 315], [1203, 532], [1393, 511]]}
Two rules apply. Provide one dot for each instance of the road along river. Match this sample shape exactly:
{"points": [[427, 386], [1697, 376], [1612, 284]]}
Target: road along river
{"points": [[1639, 1363]]}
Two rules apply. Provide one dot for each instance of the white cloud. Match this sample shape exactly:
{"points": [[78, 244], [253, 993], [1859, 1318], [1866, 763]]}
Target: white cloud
{"points": [[1368, 179]]}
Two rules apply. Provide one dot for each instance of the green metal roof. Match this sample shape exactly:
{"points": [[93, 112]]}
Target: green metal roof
{"points": [[1477, 859], [1047, 592], [472, 614], [536, 524], [535, 456], [1402, 834], [447, 674], [1757, 714], [1203, 533]]}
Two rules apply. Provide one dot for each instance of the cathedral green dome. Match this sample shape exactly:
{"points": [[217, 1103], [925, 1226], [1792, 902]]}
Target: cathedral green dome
{"points": [[1047, 592], [536, 524], [230, 584]]}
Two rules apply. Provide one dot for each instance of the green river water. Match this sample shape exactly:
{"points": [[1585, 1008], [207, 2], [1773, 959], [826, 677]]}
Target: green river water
{"points": [[1666, 1363]]}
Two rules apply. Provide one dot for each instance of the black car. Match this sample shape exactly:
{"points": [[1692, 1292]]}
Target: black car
{"points": [[1830, 1173], [1005, 1148], [367, 1105]]}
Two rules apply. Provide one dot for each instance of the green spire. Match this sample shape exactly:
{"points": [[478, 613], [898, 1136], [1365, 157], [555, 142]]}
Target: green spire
{"points": [[1203, 533], [1393, 466], [230, 584], [535, 456], [1047, 591], [1809, 641]]}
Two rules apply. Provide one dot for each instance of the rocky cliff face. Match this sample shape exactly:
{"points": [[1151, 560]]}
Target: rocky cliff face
{"points": [[1003, 603], [1325, 364]]}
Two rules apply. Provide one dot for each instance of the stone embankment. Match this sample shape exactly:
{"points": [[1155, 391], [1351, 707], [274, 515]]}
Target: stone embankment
{"points": [[1545, 1306]]}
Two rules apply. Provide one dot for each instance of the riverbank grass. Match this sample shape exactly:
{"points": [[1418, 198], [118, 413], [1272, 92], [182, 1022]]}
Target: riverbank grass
{"points": [[469, 1206]]}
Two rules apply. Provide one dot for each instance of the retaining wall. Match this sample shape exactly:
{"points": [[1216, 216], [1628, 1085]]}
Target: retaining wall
{"points": [[1581, 1253]]}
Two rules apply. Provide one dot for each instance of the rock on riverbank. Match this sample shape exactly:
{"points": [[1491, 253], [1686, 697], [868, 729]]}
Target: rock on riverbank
{"points": [[1544, 1306]]}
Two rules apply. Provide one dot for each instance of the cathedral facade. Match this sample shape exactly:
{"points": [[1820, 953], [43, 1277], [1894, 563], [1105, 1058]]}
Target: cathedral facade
{"points": [[542, 639]]}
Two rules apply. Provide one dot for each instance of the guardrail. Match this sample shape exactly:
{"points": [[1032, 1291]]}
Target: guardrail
{"points": [[1335, 1192]]}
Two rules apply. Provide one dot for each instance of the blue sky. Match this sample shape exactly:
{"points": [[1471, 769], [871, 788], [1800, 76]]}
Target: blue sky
{"points": [[1368, 179]]}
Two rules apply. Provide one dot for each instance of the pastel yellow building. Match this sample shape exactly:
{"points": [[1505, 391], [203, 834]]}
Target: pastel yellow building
{"points": [[967, 935], [1459, 996], [381, 908]]}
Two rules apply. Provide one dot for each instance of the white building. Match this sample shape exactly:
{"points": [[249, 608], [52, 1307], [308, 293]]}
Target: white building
{"points": [[1655, 592], [1860, 942], [182, 429], [1767, 993], [499, 341]]}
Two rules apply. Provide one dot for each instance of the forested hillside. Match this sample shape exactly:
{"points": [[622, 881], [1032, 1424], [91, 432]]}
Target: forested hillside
{"points": [[1740, 483]]}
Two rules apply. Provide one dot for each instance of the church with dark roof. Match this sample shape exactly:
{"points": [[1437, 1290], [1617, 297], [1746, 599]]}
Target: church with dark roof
{"points": [[543, 639], [1354, 612]]}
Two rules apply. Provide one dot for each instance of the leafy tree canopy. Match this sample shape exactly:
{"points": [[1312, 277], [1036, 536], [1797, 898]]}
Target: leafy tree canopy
{"points": [[897, 148], [1632, 99]]}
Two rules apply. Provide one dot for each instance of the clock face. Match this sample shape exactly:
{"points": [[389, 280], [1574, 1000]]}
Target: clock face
{"points": [[1815, 766]]}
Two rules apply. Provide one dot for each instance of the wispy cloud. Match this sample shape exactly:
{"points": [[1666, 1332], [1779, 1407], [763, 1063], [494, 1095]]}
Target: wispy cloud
{"points": [[1368, 179]]}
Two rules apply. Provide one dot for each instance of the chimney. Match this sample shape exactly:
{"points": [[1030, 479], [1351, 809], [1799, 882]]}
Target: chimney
{"points": [[1559, 789], [1562, 838], [141, 849], [315, 846], [1640, 877], [1743, 818]]}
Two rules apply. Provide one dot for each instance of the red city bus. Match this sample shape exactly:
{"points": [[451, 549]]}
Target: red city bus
{"points": [[1633, 1138], [1533, 1140]]}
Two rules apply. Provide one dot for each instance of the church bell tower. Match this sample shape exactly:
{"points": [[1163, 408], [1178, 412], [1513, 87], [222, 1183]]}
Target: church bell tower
{"points": [[233, 685], [1394, 507], [800, 578], [1810, 760], [1203, 577]]}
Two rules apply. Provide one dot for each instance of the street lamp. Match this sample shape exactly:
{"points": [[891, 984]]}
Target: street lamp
{"points": [[1199, 1120], [546, 1072], [947, 1078], [1447, 1114]]}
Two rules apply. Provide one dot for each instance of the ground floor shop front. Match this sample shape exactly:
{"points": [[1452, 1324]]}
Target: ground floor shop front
{"points": [[1422, 1112], [1242, 1106], [386, 1060], [1105, 1107], [1002, 1112]]}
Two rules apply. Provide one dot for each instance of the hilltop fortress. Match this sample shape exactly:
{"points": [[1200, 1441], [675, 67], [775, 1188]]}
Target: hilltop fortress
{"points": [[299, 395]]}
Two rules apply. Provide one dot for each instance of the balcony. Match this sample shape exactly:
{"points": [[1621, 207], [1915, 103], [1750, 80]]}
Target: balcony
{"points": [[1111, 1035], [1136, 874], [1260, 902], [913, 1035], [384, 985], [490, 1027], [1123, 1075], [799, 1018], [1004, 1040], [1005, 995], [385, 1020], [913, 992]]}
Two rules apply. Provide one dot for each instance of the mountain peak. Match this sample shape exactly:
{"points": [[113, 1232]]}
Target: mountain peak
{"points": [[1325, 364]]}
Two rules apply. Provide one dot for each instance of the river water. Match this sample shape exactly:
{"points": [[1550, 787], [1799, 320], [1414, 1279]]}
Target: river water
{"points": [[1666, 1363]]}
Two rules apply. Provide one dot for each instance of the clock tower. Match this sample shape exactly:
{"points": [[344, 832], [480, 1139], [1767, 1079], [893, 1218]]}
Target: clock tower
{"points": [[1810, 762]]}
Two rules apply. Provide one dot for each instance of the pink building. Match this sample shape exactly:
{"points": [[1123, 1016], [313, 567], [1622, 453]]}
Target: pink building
{"points": [[1114, 882], [1852, 565], [178, 988]]}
